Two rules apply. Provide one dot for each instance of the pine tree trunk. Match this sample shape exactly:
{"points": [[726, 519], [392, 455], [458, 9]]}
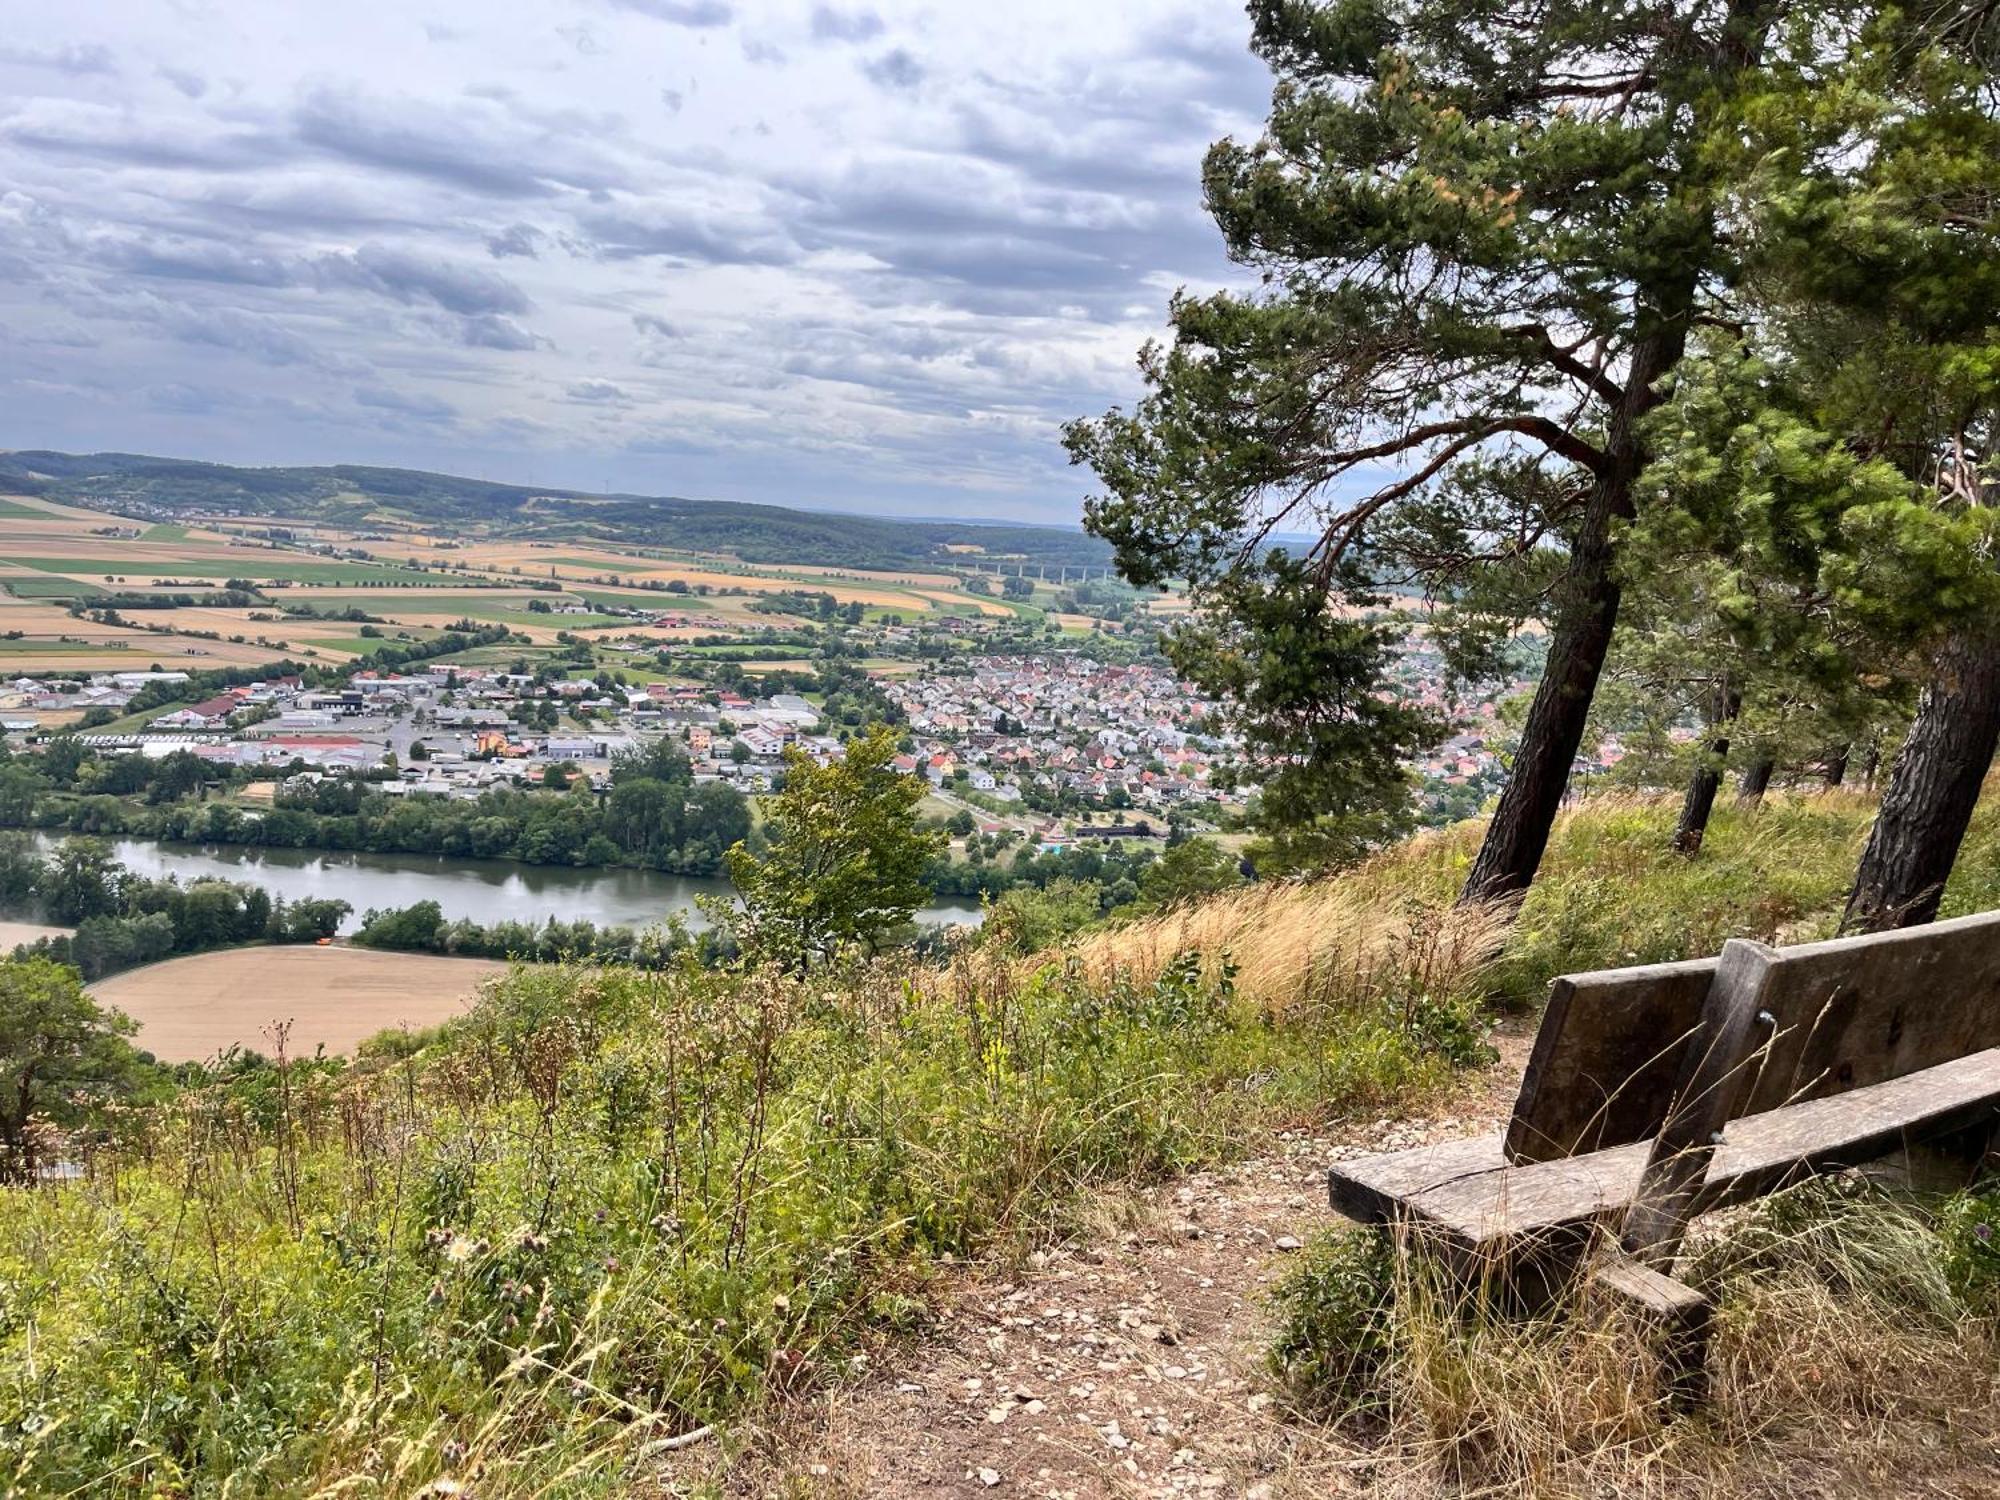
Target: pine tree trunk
{"points": [[1754, 782], [1932, 790], [1836, 768], [1707, 778], [1519, 832]]}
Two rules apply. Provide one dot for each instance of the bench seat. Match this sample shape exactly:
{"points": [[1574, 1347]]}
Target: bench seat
{"points": [[1481, 1202]]}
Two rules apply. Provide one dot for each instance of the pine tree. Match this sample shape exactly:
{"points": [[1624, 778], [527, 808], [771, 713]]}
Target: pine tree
{"points": [[1486, 234]]}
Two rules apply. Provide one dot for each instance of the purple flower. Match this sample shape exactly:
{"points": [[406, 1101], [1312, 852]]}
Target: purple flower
{"points": [[1982, 1232]]}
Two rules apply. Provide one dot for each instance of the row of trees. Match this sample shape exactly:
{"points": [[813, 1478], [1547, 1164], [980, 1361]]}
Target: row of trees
{"points": [[421, 927], [123, 920], [1669, 325]]}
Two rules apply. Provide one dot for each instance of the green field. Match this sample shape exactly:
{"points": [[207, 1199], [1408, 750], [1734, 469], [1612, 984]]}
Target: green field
{"points": [[166, 531], [261, 566], [10, 509], [46, 647], [50, 588]]}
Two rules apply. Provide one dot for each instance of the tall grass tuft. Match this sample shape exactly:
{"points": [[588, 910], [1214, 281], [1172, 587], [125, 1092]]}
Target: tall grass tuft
{"points": [[1837, 1326]]}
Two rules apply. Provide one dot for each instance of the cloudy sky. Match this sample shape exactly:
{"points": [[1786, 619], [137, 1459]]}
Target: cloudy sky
{"points": [[864, 255]]}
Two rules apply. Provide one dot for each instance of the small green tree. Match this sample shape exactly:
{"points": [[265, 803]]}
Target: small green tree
{"points": [[62, 1058], [81, 881], [1188, 870], [845, 859]]}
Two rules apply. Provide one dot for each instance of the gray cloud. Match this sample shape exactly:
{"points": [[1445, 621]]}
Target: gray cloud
{"points": [[69, 57], [429, 409], [486, 145], [894, 69], [679, 230], [515, 239], [700, 14], [407, 277], [893, 244], [830, 24], [491, 331], [190, 84]]}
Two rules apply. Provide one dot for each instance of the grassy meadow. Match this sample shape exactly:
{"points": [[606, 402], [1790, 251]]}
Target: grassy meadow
{"points": [[532, 1251]]}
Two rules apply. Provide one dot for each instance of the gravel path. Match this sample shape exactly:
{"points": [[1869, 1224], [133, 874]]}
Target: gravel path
{"points": [[1128, 1364]]}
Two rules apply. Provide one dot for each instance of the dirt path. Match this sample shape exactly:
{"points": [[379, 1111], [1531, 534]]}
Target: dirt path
{"points": [[1127, 1365]]}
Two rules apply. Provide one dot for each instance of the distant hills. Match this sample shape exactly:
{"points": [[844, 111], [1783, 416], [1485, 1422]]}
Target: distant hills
{"points": [[359, 496]]}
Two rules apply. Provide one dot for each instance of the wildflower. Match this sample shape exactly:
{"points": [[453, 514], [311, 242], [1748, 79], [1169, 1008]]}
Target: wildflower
{"points": [[454, 1451], [460, 1250], [1982, 1232], [436, 1297], [611, 1263]]}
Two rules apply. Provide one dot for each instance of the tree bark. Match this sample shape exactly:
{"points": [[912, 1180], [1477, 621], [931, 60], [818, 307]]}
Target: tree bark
{"points": [[1752, 784], [1526, 811], [1835, 771], [1707, 778], [1932, 789]]}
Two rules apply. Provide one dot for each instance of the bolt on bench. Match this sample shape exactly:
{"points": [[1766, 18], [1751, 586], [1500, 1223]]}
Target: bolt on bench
{"points": [[1655, 1094]]}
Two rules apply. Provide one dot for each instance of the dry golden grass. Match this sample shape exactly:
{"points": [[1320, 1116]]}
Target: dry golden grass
{"points": [[1816, 1389], [1302, 944]]}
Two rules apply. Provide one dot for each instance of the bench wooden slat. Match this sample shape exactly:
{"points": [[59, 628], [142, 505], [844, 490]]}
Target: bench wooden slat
{"points": [[1606, 1059], [1847, 1013], [1467, 1189], [1369, 1188], [1857, 1011]]}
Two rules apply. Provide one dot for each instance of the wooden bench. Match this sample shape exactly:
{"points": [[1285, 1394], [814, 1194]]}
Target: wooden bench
{"points": [[1654, 1094]]}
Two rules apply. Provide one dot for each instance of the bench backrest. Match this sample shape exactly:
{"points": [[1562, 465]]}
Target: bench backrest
{"points": [[1614, 1046]]}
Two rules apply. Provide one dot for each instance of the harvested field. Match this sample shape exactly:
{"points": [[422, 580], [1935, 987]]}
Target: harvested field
{"points": [[12, 934], [194, 1007]]}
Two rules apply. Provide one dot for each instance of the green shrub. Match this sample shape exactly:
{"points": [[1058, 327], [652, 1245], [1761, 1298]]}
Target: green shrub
{"points": [[1969, 1234], [1335, 1323]]}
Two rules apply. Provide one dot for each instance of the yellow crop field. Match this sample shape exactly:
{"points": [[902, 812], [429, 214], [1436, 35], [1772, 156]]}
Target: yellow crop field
{"points": [[192, 1008]]}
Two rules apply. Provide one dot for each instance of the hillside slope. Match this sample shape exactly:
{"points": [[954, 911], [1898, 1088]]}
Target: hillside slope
{"points": [[616, 1224], [354, 494]]}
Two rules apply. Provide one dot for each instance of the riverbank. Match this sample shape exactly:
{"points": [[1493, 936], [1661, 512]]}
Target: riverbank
{"points": [[191, 1008], [486, 891]]}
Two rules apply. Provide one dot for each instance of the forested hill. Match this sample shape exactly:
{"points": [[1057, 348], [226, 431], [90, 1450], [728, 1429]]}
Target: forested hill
{"points": [[358, 495]]}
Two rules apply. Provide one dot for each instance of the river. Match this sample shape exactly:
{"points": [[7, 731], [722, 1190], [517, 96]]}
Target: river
{"points": [[486, 890]]}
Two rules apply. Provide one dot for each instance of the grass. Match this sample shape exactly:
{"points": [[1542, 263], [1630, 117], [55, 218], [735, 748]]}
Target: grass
{"points": [[133, 723], [51, 588], [606, 1209], [164, 531], [257, 565], [44, 646], [1854, 1343]]}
